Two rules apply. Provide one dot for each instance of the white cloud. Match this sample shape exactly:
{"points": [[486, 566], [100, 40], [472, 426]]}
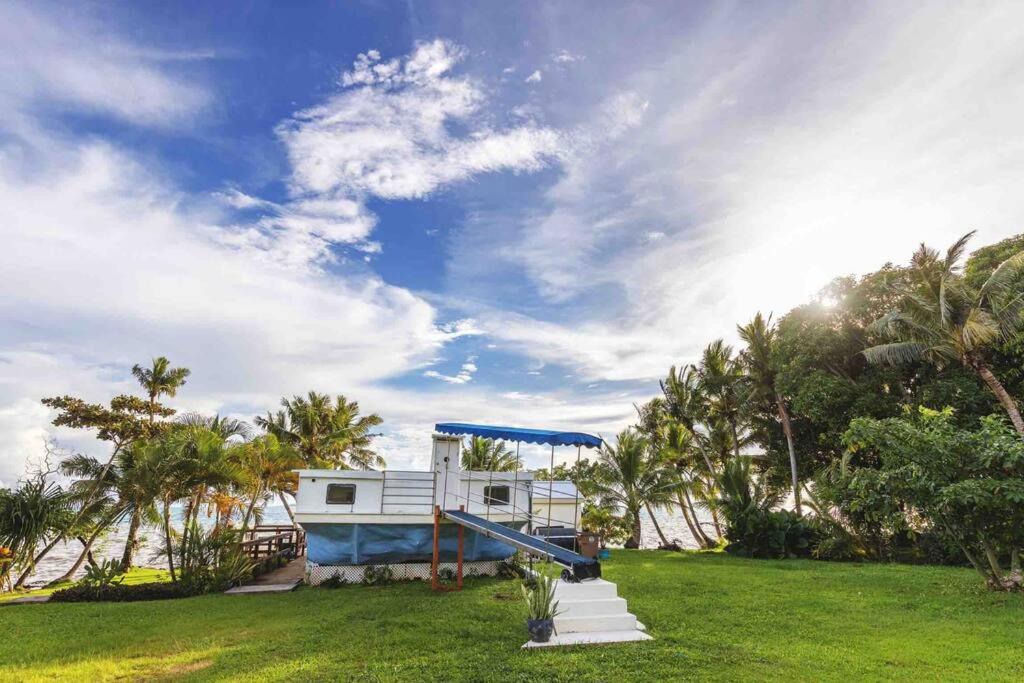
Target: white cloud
{"points": [[388, 134], [64, 59], [566, 57], [816, 150], [464, 375], [535, 77]]}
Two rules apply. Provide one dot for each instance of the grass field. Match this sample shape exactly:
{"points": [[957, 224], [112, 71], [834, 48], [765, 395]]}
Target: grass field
{"points": [[713, 617]]}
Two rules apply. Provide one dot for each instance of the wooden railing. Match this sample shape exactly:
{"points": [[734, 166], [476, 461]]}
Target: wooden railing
{"points": [[263, 543]]}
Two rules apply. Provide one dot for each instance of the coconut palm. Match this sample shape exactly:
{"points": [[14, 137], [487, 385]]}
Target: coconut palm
{"points": [[680, 449], [633, 477], [269, 465], [719, 382], [759, 362], [160, 379], [325, 433], [125, 489], [488, 455], [943, 320]]}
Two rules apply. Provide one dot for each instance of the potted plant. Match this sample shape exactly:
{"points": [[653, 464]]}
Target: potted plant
{"points": [[541, 608]]}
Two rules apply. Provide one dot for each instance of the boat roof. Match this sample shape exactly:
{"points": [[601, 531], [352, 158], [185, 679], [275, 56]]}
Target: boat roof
{"points": [[560, 490], [538, 436]]}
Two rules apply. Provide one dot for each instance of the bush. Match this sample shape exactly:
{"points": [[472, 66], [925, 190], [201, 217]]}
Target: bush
{"points": [[120, 592], [333, 581], [835, 543], [378, 576], [770, 534]]}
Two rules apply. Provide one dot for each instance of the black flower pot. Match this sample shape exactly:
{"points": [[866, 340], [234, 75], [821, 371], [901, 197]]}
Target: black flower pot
{"points": [[540, 629]]}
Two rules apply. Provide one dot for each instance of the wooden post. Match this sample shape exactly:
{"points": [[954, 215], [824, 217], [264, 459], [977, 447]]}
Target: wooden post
{"points": [[435, 584], [462, 531]]}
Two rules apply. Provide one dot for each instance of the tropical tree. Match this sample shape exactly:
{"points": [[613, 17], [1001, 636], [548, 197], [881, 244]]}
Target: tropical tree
{"points": [[944, 320], [126, 490], [326, 433], [759, 360], [720, 382], [269, 466], [160, 379], [35, 514], [488, 455], [632, 477]]}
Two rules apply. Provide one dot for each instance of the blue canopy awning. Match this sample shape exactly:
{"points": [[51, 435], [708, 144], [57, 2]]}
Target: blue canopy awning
{"points": [[542, 436]]}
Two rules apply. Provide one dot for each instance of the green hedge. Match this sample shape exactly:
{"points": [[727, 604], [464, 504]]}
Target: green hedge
{"points": [[122, 593]]}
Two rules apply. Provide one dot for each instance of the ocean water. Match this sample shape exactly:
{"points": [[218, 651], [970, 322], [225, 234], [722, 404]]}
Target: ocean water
{"points": [[112, 545]]}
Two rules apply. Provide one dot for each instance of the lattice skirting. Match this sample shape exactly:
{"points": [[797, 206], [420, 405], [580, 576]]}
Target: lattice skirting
{"points": [[406, 571]]}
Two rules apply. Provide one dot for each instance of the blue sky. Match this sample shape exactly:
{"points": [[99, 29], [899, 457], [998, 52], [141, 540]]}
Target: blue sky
{"points": [[518, 213]]}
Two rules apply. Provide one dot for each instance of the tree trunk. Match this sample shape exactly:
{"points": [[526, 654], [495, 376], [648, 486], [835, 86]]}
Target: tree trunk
{"points": [[130, 545], [287, 508], [657, 527], [705, 540], [69, 574], [689, 522], [718, 527], [633, 542], [32, 567], [248, 512], [997, 388], [167, 538], [787, 428]]}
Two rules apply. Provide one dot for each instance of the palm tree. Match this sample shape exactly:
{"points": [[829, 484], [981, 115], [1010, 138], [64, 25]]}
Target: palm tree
{"points": [[488, 455], [186, 463], [269, 465], [719, 383], [942, 319], [758, 359], [159, 380], [679, 448], [123, 486], [36, 513], [632, 477], [325, 433]]}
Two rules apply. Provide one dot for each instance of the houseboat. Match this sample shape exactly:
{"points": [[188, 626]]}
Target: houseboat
{"points": [[357, 519]]}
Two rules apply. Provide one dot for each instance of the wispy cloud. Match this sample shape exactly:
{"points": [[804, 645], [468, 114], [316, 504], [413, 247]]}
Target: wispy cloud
{"points": [[63, 58]]}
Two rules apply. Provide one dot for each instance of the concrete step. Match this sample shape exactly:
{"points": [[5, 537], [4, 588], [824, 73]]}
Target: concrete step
{"points": [[596, 589], [617, 622], [592, 608], [593, 638]]}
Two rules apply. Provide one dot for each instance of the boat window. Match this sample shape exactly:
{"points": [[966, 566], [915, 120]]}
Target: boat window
{"points": [[495, 495], [341, 494]]}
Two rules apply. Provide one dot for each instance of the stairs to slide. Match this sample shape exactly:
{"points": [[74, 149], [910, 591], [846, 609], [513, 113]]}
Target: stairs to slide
{"points": [[592, 612]]}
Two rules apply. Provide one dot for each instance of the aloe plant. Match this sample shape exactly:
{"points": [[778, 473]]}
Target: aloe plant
{"points": [[540, 601]]}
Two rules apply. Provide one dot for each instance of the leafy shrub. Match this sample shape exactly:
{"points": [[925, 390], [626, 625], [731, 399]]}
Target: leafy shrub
{"points": [[835, 543], [333, 581], [770, 534], [378, 576], [104, 575], [209, 559], [753, 529], [447, 575], [120, 592]]}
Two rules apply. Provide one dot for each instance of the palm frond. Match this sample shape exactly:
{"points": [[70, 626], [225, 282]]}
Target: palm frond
{"points": [[895, 353]]}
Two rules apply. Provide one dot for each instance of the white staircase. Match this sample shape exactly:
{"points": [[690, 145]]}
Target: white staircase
{"points": [[592, 612]]}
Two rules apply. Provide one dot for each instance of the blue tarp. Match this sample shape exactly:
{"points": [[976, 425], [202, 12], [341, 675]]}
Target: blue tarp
{"points": [[347, 544], [541, 436]]}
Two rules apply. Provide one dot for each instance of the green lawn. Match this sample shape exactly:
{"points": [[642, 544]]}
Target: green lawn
{"points": [[713, 616]]}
